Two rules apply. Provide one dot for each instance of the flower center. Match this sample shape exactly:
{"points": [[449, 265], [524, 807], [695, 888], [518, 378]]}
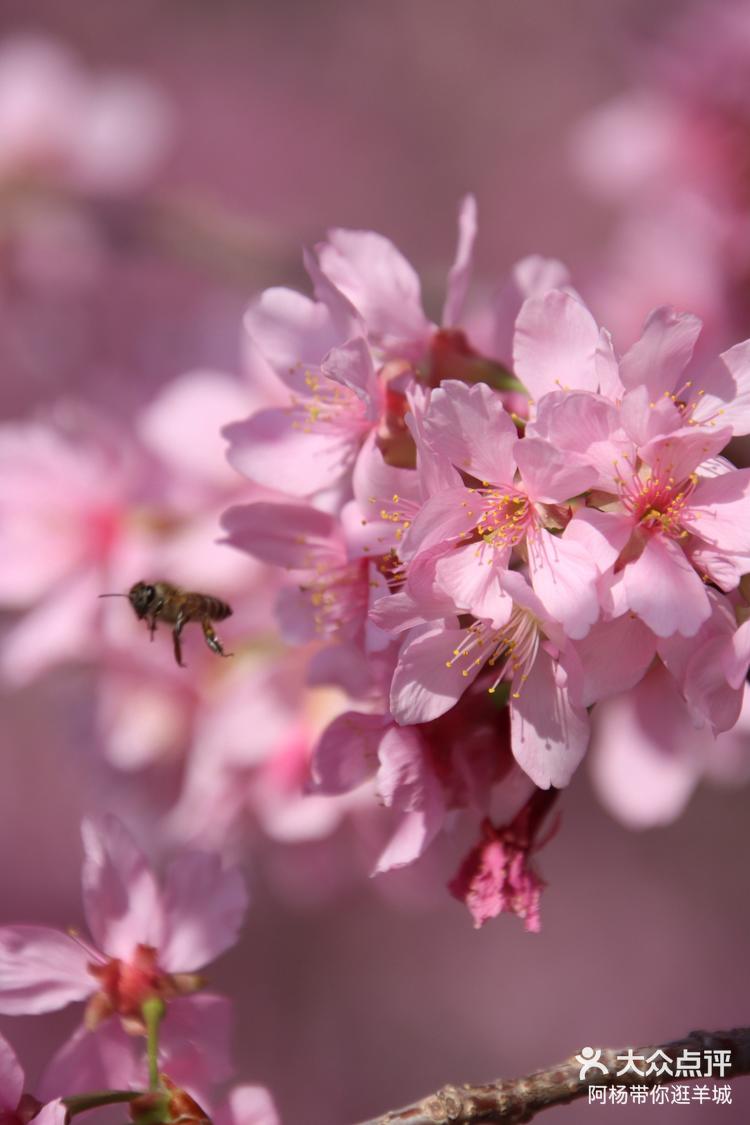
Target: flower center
{"points": [[125, 985], [512, 647], [657, 503]]}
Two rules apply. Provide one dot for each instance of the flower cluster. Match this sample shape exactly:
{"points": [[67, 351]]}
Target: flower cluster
{"points": [[495, 524]]}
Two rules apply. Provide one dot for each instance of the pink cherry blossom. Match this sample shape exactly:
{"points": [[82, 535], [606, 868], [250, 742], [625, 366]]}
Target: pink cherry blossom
{"points": [[148, 939]]}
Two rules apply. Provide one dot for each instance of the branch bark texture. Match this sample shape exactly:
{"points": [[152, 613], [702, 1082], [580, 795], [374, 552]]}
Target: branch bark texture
{"points": [[509, 1101]]}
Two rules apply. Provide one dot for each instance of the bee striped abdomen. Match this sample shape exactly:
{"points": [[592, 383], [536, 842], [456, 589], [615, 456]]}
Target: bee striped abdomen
{"points": [[216, 609]]}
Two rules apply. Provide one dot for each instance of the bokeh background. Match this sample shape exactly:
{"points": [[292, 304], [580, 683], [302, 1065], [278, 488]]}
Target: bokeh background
{"points": [[354, 997]]}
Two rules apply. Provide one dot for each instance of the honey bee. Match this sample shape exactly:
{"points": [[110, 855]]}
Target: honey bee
{"points": [[159, 601]]}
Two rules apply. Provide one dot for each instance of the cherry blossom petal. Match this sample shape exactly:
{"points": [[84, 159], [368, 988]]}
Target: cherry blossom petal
{"points": [[552, 475], [555, 345], [291, 331], [549, 735], [423, 686], [41, 969], [726, 391], [445, 517], [663, 352], [247, 1105], [407, 782], [120, 893], [460, 272], [182, 424], [11, 1078], [664, 590], [104, 1059], [54, 1113], [676, 456], [648, 752], [195, 1042], [380, 283], [280, 449], [347, 752], [471, 427], [469, 576], [635, 646], [204, 907], [719, 513], [351, 365], [564, 576], [295, 536]]}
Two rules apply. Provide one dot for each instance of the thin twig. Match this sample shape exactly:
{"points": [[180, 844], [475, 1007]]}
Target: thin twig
{"points": [[509, 1101]]}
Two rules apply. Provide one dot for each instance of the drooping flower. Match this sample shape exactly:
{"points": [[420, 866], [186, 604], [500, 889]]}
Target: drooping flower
{"points": [[497, 875]]}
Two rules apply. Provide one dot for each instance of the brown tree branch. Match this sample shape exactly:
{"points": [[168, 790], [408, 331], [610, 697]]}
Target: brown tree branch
{"points": [[509, 1101]]}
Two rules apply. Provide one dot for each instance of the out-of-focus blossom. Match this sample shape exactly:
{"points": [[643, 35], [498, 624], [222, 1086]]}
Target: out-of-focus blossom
{"points": [[60, 125], [670, 153], [148, 942]]}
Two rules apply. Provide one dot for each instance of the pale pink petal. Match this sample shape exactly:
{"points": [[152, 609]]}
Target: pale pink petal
{"points": [[120, 893], [719, 513], [603, 676], [280, 449], [706, 690], [564, 576], [675, 457], [469, 576], [735, 662], [647, 753], [347, 752], [406, 781], [61, 628], [291, 331], [247, 1105], [664, 590], [41, 969], [582, 424], [204, 907], [11, 1078], [423, 685], [663, 352], [555, 345], [549, 735], [346, 322], [460, 272], [195, 1042], [182, 424], [644, 419], [552, 475], [351, 365], [602, 534], [380, 283], [54, 1113], [492, 331], [295, 536], [471, 427], [726, 390], [448, 516], [105, 1059], [344, 665]]}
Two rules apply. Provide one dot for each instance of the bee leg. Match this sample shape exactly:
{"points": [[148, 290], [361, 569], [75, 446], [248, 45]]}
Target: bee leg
{"points": [[152, 618], [212, 640], [176, 639]]}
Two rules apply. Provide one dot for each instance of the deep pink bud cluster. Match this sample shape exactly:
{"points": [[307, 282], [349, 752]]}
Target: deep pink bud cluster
{"points": [[497, 524]]}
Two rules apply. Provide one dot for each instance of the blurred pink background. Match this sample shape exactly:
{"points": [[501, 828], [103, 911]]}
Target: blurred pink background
{"points": [[293, 117]]}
